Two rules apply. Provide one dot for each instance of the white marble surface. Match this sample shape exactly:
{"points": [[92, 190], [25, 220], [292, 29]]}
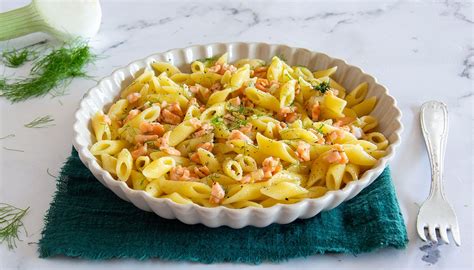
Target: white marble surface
{"points": [[419, 50]]}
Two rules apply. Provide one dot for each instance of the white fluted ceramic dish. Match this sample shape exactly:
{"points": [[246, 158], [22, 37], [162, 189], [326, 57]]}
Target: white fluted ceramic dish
{"points": [[107, 90]]}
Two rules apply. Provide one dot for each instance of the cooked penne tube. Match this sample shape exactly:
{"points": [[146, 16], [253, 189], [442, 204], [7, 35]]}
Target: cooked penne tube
{"points": [[159, 167]]}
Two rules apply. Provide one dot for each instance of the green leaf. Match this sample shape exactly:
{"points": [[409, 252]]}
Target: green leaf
{"points": [[50, 72], [322, 87], [16, 58], [10, 224]]}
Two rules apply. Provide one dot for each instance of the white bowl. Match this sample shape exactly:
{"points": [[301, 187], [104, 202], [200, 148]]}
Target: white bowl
{"points": [[107, 90]]}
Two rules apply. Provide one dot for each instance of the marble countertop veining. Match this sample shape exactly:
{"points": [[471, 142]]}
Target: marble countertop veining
{"points": [[421, 50]]}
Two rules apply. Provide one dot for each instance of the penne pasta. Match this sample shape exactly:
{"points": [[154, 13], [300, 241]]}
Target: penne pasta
{"points": [[238, 134]]}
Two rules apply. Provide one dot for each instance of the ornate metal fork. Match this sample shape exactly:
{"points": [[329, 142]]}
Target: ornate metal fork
{"points": [[436, 212]]}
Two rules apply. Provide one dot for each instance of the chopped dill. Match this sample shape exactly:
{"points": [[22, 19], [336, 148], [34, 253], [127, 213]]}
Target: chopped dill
{"points": [[209, 61], [16, 58], [240, 110], [217, 120], [213, 58], [41, 122], [230, 123], [10, 224], [322, 87], [14, 150], [49, 72], [150, 143], [320, 129], [3, 83], [237, 124], [8, 136]]}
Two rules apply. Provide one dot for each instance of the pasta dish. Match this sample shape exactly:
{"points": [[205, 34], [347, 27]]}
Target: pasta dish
{"points": [[246, 134]]}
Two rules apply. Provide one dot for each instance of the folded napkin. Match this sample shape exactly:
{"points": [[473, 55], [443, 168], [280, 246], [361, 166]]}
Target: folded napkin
{"points": [[87, 220]]}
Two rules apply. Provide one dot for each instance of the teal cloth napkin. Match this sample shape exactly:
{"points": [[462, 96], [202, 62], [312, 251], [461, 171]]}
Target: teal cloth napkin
{"points": [[87, 220]]}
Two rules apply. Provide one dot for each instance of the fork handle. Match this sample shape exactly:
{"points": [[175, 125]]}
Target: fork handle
{"points": [[434, 124]]}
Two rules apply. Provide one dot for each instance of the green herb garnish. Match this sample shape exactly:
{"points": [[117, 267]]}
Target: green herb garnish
{"points": [[240, 109], [10, 224], [237, 124], [3, 83], [16, 58], [51, 71], [150, 143], [320, 129], [217, 120], [322, 87], [301, 66], [209, 61], [40, 122], [231, 124]]}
